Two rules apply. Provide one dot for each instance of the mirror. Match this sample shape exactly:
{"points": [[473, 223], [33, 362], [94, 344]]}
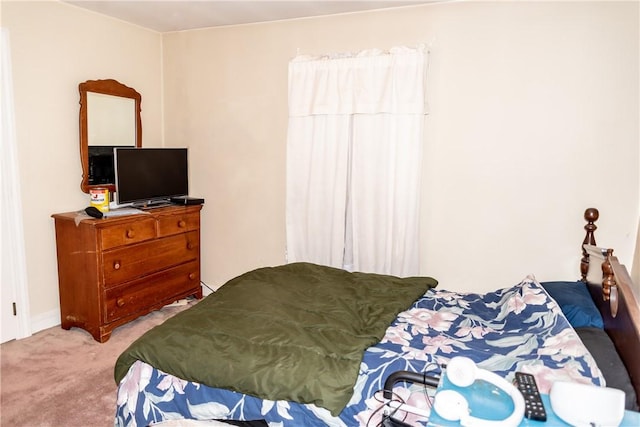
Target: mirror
{"points": [[109, 117]]}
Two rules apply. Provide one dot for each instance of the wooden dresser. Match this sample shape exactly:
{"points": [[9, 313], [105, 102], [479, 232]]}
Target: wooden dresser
{"points": [[113, 270]]}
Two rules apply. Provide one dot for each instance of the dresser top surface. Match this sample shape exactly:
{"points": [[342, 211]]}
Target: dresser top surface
{"points": [[81, 216]]}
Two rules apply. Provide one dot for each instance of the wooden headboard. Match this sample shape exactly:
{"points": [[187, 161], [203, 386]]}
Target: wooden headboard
{"points": [[617, 303]]}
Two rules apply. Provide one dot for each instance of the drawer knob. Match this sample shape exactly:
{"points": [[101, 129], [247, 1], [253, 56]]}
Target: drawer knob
{"points": [[189, 245], [131, 234], [120, 302], [116, 265], [182, 223], [192, 276]]}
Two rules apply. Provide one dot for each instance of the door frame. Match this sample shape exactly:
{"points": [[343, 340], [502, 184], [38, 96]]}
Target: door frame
{"points": [[13, 263]]}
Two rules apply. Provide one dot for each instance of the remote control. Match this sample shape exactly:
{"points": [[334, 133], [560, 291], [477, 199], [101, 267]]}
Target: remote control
{"points": [[94, 212], [533, 407]]}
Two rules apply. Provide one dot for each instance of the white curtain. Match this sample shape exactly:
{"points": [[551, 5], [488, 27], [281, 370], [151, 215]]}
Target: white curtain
{"points": [[354, 153], [13, 271]]}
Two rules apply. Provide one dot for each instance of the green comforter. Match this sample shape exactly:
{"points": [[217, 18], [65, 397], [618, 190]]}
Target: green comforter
{"points": [[295, 332]]}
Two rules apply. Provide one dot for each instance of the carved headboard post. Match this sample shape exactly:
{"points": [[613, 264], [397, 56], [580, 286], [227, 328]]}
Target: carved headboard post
{"points": [[609, 286], [591, 216], [607, 276]]}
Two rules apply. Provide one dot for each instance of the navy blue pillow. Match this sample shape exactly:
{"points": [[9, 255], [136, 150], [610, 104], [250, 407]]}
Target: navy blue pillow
{"points": [[576, 303]]}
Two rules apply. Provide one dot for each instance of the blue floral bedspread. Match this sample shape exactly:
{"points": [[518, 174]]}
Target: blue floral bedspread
{"points": [[513, 329]]}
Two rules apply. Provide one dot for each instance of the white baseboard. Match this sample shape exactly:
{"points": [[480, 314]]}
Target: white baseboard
{"points": [[45, 321]]}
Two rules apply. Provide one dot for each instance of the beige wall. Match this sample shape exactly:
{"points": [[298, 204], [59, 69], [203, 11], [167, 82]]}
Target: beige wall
{"points": [[54, 47], [525, 98], [635, 266]]}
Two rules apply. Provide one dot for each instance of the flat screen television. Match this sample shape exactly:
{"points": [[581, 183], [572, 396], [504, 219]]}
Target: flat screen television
{"points": [[150, 176]]}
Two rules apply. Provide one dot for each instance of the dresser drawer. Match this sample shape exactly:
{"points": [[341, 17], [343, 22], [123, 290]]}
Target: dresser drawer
{"points": [[130, 262], [174, 224], [128, 233], [121, 301]]}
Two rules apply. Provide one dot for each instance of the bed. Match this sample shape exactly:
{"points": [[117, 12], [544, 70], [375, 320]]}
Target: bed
{"points": [[319, 353]]}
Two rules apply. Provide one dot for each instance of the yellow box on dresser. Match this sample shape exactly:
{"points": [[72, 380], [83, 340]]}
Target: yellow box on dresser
{"points": [[113, 270]]}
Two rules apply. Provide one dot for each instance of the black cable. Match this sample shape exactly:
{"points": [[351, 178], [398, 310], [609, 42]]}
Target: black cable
{"points": [[206, 286], [425, 382], [376, 411], [426, 392], [384, 404]]}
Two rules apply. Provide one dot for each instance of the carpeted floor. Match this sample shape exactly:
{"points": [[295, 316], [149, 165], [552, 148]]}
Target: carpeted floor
{"points": [[65, 378]]}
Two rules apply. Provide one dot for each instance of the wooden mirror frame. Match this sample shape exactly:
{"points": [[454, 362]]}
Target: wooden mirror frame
{"points": [[106, 87]]}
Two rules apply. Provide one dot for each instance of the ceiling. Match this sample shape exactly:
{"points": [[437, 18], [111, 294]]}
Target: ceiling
{"points": [[167, 15]]}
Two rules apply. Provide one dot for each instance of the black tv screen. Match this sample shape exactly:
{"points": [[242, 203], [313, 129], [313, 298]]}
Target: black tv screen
{"points": [[148, 175]]}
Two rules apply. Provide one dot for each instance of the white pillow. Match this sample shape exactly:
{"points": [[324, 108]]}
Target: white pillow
{"points": [[596, 258]]}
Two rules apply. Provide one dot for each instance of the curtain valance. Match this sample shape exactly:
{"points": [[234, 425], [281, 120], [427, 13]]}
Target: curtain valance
{"points": [[370, 82]]}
